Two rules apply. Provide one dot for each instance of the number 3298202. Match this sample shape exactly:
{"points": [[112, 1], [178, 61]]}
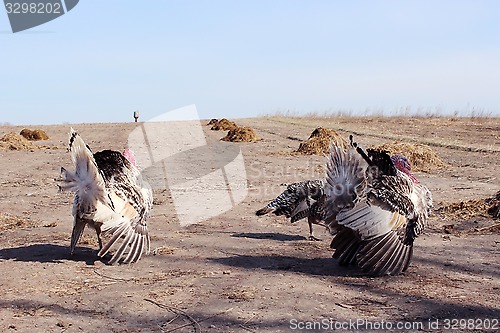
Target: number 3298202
{"points": [[474, 324], [33, 8]]}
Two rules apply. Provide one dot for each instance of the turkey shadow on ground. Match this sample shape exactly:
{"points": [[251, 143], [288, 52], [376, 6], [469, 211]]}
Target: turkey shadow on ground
{"points": [[310, 266], [49, 253], [269, 235]]}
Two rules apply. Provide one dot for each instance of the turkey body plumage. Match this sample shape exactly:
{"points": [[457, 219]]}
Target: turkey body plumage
{"points": [[111, 197], [374, 209], [299, 200]]}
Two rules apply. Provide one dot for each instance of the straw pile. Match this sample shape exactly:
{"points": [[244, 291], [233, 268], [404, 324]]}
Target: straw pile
{"points": [[34, 135], [241, 134], [236, 133], [462, 211], [223, 125], [422, 157], [13, 141], [11, 222], [319, 142]]}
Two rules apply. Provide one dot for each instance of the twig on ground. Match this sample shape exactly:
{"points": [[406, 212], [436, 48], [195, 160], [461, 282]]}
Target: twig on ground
{"points": [[489, 227], [193, 322], [246, 322]]}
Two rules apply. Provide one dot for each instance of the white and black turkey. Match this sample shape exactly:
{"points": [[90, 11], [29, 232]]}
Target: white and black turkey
{"points": [[375, 207], [298, 201], [111, 197]]}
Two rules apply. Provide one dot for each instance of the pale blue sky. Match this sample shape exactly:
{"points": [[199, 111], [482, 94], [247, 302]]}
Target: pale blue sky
{"points": [[107, 58]]}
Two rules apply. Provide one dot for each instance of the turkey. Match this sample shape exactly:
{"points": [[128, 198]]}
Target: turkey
{"points": [[375, 207], [111, 197], [298, 201]]}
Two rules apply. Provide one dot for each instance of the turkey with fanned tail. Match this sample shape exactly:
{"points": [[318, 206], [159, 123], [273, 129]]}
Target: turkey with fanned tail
{"points": [[375, 207], [111, 197], [298, 201]]}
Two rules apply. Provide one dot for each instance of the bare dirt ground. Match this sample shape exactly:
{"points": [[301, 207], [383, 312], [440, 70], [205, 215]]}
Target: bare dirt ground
{"points": [[237, 272]]}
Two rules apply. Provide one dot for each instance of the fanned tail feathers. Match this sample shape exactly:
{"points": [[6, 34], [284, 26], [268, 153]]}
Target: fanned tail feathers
{"points": [[375, 208], [345, 179], [135, 238], [87, 181]]}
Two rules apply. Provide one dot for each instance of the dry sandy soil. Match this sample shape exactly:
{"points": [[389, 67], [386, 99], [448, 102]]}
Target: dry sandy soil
{"points": [[236, 272]]}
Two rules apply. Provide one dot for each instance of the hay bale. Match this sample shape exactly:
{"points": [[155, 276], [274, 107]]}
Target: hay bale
{"points": [[241, 134], [421, 157], [318, 142], [26, 133], [213, 122], [224, 125], [39, 135], [34, 135], [464, 209], [13, 141]]}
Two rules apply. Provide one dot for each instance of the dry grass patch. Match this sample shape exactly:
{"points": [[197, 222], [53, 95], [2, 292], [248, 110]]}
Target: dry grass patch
{"points": [[318, 142], [11, 222], [241, 134], [422, 157], [163, 250], [240, 295], [89, 238]]}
